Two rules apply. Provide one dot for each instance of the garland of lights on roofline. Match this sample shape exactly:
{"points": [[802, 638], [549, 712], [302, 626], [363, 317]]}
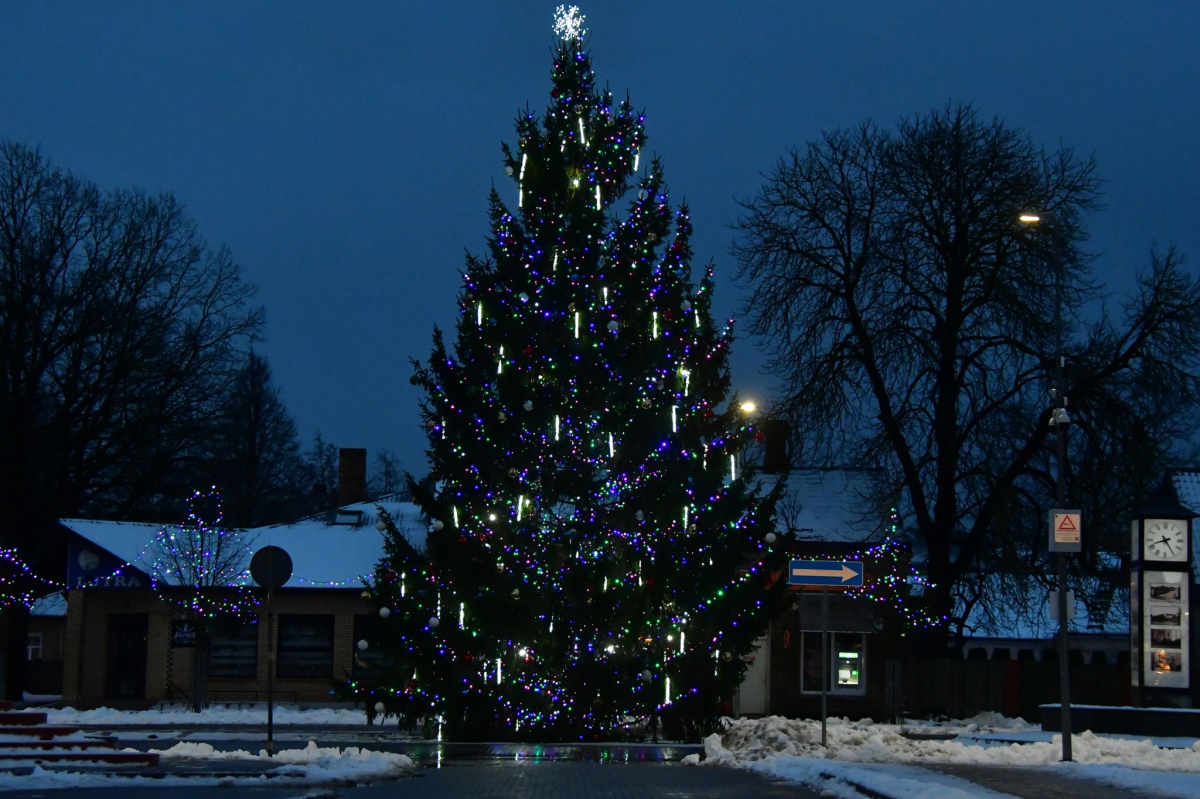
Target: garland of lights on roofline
{"points": [[19, 585]]}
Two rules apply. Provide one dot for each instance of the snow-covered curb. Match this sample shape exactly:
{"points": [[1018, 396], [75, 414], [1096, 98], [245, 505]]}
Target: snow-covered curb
{"points": [[312, 765], [791, 749], [216, 714]]}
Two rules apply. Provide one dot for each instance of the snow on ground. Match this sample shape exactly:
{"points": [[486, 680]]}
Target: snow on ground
{"points": [[216, 714], [791, 749], [312, 765]]}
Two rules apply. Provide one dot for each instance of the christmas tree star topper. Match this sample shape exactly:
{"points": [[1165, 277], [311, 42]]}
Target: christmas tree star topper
{"points": [[568, 23]]}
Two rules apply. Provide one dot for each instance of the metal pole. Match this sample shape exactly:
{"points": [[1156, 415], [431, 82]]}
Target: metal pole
{"points": [[1060, 401], [824, 660], [270, 658]]}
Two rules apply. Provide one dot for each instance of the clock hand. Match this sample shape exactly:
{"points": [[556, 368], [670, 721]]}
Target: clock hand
{"points": [[1166, 541]]}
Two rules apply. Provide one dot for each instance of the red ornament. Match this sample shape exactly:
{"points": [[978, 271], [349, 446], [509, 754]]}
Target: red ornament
{"points": [[412, 685], [650, 582], [469, 657], [668, 316], [708, 414], [462, 539], [555, 92], [528, 351], [390, 577], [759, 437], [726, 708]]}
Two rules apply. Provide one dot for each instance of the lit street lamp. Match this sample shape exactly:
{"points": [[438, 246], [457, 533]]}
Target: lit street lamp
{"points": [[1059, 419]]}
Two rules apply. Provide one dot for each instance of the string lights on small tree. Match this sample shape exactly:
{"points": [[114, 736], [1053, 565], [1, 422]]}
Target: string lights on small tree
{"points": [[202, 567], [596, 551]]}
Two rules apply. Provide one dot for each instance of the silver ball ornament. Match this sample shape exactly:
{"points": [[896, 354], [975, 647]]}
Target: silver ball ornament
{"points": [[434, 621], [527, 405], [523, 297], [508, 170], [363, 645], [612, 326], [380, 526], [646, 675], [385, 612], [379, 708], [437, 525], [769, 538]]}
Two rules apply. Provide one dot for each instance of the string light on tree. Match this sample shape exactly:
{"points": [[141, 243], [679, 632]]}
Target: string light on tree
{"points": [[574, 559]]}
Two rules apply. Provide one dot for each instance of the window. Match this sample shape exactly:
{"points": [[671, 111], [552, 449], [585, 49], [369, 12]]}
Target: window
{"points": [[33, 646], [846, 667], [367, 662], [234, 648], [305, 646]]}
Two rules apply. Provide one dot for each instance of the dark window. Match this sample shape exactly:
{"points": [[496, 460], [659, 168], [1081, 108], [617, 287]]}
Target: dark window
{"points": [[305, 645], [368, 662], [234, 648], [127, 655]]}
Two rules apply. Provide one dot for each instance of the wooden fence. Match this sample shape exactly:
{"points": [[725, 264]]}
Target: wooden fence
{"points": [[963, 688]]}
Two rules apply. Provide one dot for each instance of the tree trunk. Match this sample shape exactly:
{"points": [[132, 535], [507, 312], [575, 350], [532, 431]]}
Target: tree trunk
{"points": [[199, 668]]}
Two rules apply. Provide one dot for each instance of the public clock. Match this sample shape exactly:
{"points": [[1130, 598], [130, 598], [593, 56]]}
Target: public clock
{"points": [[1165, 540]]}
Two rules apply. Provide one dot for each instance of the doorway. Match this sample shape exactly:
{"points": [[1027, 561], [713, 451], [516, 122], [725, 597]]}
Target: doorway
{"points": [[127, 655]]}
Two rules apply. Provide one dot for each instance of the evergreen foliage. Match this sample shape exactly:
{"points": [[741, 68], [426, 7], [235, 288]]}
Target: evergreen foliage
{"points": [[596, 556]]}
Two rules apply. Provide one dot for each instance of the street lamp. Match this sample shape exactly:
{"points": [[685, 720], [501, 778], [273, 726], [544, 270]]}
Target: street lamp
{"points": [[749, 407], [1059, 419]]}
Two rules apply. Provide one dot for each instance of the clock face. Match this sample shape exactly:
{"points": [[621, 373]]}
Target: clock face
{"points": [[1166, 540]]}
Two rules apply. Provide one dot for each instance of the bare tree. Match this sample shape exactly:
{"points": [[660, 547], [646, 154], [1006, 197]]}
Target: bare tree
{"points": [[911, 319], [321, 465], [201, 567], [388, 477], [120, 329], [254, 456]]}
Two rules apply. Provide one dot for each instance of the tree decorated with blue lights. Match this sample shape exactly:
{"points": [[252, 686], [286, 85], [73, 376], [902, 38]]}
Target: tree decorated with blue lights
{"points": [[597, 557], [201, 566]]}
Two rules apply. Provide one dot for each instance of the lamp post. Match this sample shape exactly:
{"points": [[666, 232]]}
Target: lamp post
{"points": [[1059, 419]]}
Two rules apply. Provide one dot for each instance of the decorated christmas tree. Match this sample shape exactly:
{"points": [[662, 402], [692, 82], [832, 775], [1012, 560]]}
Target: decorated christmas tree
{"points": [[598, 557]]}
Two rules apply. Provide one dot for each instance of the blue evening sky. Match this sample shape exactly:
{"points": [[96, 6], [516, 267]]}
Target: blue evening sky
{"points": [[344, 150]]}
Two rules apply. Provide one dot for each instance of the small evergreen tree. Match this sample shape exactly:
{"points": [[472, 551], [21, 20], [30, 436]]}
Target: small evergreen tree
{"points": [[596, 554]]}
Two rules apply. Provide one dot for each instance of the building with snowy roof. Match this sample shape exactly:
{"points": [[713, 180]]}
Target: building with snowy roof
{"points": [[122, 645]]}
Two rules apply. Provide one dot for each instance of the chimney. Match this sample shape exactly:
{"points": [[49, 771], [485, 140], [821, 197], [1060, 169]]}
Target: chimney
{"points": [[776, 433], [352, 476]]}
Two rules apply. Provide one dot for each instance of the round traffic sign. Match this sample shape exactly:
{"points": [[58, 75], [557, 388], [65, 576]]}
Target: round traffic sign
{"points": [[271, 567]]}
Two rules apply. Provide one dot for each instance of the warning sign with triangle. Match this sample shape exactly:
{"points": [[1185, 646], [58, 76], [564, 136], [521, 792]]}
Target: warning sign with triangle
{"points": [[1065, 529]]}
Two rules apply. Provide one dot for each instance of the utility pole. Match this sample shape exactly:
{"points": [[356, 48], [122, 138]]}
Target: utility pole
{"points": [[1059, 420]]}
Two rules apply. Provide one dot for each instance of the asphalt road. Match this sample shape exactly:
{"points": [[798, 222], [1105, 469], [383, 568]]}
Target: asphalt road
{"points": [[495, 780]]}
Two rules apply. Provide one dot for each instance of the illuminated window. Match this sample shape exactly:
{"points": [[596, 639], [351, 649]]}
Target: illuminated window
{"points": [[845, 667]]}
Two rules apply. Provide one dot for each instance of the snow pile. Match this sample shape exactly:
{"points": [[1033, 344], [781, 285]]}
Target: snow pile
{"points": [[313, 764], [750, 740], [215, 714]]}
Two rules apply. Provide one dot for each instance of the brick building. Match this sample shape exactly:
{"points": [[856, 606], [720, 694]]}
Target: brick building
{"points": [[123, 645]]}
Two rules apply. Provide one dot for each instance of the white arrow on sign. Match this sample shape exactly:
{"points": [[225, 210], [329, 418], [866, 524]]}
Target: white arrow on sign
{"points": [[846, 573]]}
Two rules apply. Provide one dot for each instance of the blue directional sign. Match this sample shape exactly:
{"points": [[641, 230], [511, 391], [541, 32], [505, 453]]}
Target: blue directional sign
{"points": [[847, 573]]}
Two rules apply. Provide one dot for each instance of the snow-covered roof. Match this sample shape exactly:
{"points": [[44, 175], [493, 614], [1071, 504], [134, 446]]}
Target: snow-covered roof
{"points": [[832, 505], [339, 555], [1187, 489], [50, 605], [324, 553], [127, 541]]}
